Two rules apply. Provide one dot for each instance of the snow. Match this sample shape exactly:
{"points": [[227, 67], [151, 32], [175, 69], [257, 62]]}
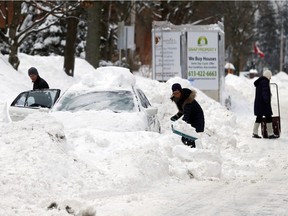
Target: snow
{"points": [[49, 167], [229, 66]]}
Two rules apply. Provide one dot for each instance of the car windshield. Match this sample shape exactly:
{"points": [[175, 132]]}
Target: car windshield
{"points": [[117, 101]]}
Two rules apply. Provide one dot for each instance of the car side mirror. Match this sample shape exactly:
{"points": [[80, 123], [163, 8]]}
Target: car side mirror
{"points": [[151, 111]]}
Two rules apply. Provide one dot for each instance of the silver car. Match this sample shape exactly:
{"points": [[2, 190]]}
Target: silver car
{"points": [[126, 109]]}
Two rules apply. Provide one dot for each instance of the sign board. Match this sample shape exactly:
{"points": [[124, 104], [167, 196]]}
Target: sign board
{"points": [[202, 60], [125, 37], [166, 49], [192, 52]]}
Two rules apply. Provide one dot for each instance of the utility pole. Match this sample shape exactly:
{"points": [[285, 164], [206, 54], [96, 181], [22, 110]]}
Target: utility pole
{"points": [[281, 45], [280, 9]]}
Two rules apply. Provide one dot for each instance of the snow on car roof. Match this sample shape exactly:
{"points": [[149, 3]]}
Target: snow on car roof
{"points": [[110, 76]]}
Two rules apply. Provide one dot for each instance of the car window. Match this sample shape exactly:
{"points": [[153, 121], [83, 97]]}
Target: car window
{"points": [[30, 100], [37, 98], [117, 101], [20, 102], [143, 99]]}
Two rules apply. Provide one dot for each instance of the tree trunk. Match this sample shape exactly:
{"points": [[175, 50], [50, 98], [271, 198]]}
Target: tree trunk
{"points": [[69, 52], [13, 56], [93, 34], [143, 35]]}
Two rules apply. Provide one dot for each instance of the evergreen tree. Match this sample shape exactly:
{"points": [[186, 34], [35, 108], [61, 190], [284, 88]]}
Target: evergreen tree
{"points": [[239, 30], [50, 41], [268, 35]]}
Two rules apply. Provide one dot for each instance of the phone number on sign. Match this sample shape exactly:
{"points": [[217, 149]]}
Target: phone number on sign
{"points": [[202, 73]]}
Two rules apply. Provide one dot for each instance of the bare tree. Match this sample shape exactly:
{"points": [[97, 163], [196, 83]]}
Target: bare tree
{"points": [[27, 17], [13, 39], [93, 34], [71, 36], [268, 37]]}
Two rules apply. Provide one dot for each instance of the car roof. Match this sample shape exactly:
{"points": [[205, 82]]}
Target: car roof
{"points": [[34, 90], [84, 88]]}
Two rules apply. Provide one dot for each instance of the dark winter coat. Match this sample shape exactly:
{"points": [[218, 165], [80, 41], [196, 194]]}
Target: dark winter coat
{"points": [[40, 84], [262, 103], [190, 108]]}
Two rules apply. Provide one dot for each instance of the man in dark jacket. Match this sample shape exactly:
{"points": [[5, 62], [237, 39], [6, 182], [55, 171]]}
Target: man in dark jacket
{"points": [[38, 82], [189, 108], [262, 104]]}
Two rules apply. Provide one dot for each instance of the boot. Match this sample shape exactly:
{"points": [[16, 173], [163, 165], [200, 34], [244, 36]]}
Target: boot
{"points": [[255, 130], [270, 132], [188, 142], [191, 144]]}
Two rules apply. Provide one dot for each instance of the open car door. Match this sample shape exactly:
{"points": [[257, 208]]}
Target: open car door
{"points": [[41, 100]]}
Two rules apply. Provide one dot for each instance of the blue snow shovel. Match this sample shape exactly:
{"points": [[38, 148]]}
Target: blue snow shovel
{"points": [[191, 138]]}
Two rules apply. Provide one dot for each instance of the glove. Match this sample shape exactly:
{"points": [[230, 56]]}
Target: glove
{"points": [[174, 118]]}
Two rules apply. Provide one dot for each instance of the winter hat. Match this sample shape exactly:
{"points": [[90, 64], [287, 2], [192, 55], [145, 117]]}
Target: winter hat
{"points": [[176, 86], [33, 71], [267, 74]]}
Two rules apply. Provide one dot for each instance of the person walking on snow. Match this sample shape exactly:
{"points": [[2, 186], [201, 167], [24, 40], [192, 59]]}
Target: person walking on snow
{"points": [[189, 108], [38, 82], [262, 105]]}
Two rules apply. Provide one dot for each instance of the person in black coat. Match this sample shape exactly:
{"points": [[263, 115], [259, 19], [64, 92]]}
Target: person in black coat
{"points": [[38, 82], [189, 108], [262, 104]]}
